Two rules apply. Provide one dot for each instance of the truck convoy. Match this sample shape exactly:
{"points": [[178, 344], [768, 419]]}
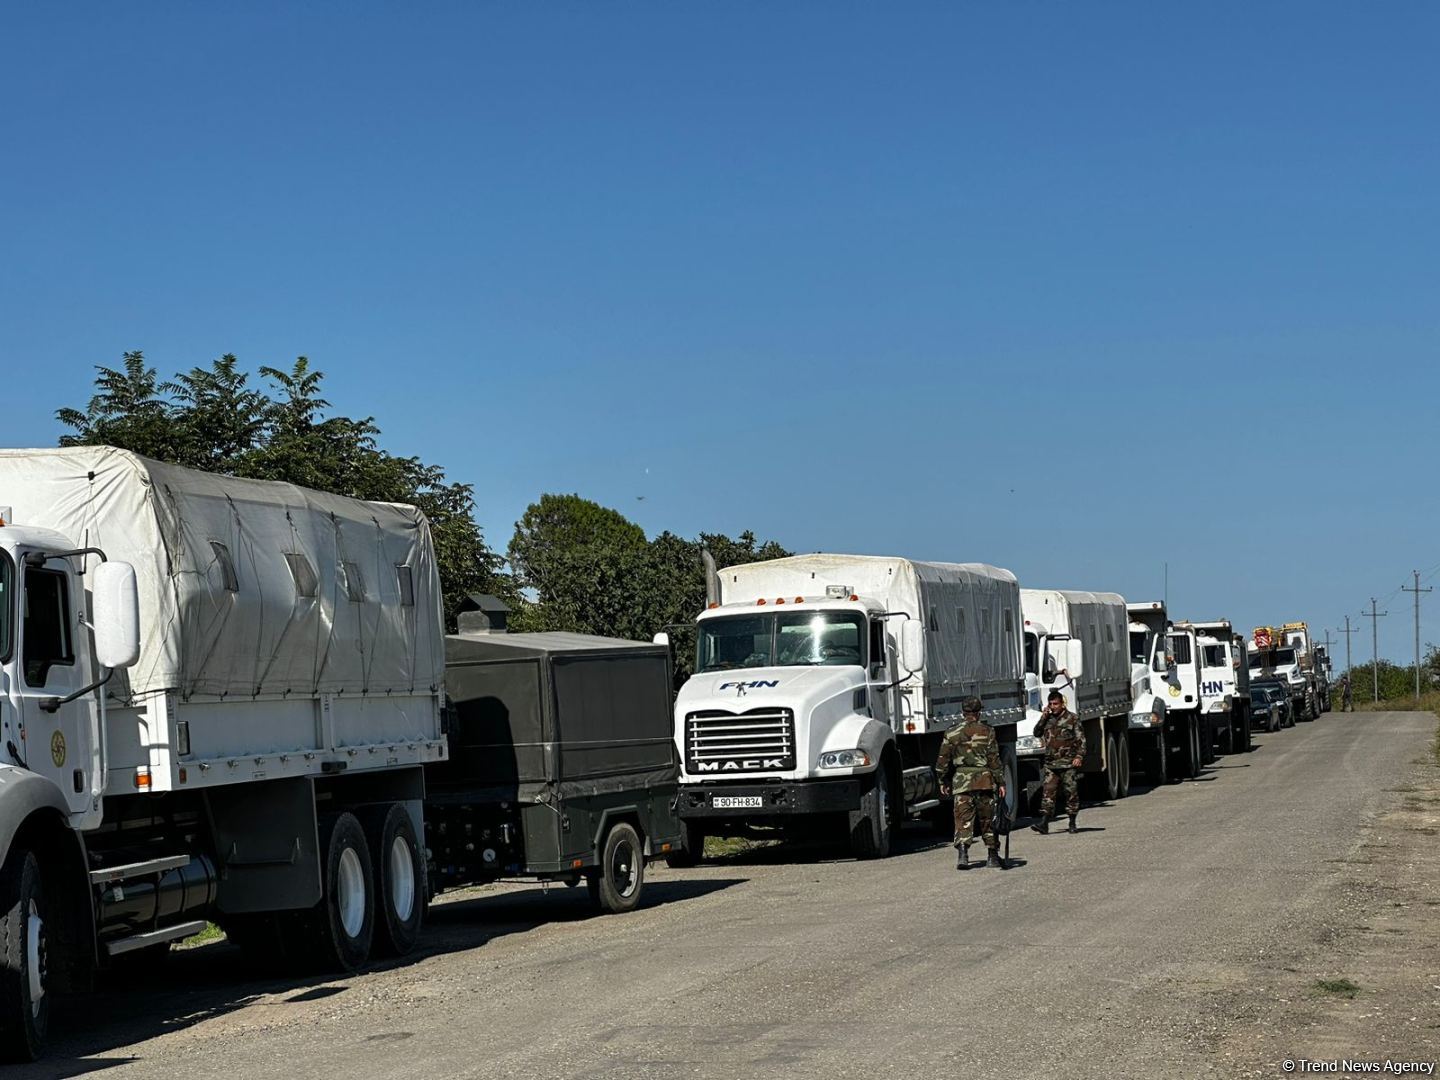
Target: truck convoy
{"points": [[220, 700], [823, 685], [1076, 642]]}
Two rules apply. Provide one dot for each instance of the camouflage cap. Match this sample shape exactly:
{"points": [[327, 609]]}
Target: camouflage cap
{"points": [[972, 705]]}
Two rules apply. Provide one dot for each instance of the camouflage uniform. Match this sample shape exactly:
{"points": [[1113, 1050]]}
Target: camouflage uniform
{"points": [[970, 752], [1064, 738]]}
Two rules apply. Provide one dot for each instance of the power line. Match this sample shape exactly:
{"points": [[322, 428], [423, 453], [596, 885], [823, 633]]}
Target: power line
{"points": [[1375, 617], [1417, 590]]}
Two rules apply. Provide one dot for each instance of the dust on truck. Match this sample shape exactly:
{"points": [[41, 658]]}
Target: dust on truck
{"points": [[824, 684], [219, 698], [1077, 643]]}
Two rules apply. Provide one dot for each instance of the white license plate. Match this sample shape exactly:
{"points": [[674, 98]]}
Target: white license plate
{"points": [[736, 802]]}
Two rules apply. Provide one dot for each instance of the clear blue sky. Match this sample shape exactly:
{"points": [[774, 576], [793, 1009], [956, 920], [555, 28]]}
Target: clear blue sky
{"points": [[1071, 288]]}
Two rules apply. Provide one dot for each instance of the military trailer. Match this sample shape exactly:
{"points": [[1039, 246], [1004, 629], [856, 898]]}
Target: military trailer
{"points": [[562, 766]]}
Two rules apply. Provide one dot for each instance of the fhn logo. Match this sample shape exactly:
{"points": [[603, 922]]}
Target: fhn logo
{"points": [[753, 684], [1212, 686]]}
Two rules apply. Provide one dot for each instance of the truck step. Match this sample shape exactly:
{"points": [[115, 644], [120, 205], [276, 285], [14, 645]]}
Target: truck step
{"points": [[921, 807], [107, 874], [154, 937]]}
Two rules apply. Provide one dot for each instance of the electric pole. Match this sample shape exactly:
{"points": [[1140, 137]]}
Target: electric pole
{"points": [[1347, 632], [1417, 591], [1375, 617]]}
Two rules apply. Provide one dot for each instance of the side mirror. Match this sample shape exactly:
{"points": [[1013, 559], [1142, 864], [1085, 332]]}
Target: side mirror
{"points": [[1048, 671], [661, 638], [912, 645], [115, 611]]}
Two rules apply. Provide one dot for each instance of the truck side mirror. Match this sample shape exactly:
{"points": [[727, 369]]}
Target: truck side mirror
{"points": [[115, 612], [1048, 671], [912, 645]]}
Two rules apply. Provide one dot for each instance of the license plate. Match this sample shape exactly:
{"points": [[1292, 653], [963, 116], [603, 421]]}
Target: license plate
{"points": [[736, 802]]}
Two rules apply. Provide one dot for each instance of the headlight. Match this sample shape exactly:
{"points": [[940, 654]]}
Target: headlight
{"points": [[1143, 719], [1028, 742], [844, 759]]}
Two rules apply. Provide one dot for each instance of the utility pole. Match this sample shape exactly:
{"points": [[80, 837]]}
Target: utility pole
{"points": [[1374, 617], [1347, 632], [1417, 591]]}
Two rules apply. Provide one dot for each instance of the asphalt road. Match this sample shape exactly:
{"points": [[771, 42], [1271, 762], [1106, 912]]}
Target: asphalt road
{"points": [[1106, 953]]}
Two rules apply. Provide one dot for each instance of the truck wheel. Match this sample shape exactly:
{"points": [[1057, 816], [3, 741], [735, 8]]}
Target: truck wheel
{"points": [[24, 1003], [691, 849], [336, 934], [1205, 732], [1111, 779], [1246, 744], [870, 825], [399, 877], [616, 886], [1122, 745], [1193, 761]]}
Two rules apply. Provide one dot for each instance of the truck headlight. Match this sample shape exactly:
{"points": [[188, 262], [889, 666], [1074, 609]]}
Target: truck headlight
{"points": [[1143, 719], [843, 759], [1028, 742]]}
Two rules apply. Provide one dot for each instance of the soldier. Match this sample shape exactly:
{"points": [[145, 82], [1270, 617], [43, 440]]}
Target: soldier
{"points": [[1347, 702], [969, 752], [1064, 739]]}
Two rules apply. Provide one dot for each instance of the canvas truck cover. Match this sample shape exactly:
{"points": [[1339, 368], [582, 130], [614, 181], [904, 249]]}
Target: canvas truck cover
{"points": [[247, 587], [971, 611], [1099, 620]]}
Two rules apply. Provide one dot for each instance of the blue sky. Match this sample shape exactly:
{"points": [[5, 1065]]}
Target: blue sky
{"points": [[1077, 289]]}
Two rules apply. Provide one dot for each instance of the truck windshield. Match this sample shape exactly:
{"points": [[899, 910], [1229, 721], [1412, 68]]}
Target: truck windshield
{"points": [[794, 639], [1214, 656], [1032, 654], [1272, 658], [7, 607]]}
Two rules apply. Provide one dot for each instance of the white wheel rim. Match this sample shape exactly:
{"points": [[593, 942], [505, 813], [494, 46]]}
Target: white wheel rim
{"points": [[35, 957], [402, 879], [350, 893]]}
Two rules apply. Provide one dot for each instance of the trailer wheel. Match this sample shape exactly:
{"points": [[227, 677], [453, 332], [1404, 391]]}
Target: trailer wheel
{"points": [[24, 1002], [617, 885], [400, 879], [336, 934], [691, 849], [870, 825]]}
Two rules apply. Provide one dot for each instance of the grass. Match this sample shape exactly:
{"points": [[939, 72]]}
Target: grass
{"points": [[1409, 703], [1336, 987], [204, 937]]}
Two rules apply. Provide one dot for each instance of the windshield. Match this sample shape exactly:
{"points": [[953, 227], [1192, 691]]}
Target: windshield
{"points": [[1138, 653], [1215, 656], [7, 589], [1271, 658], [1032, 654], [792, 639]]}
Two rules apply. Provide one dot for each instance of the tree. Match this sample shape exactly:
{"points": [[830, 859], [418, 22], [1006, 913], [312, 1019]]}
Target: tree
{"points": [[209, 418]]}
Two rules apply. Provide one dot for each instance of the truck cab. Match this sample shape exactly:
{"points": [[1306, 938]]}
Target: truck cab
{"points": [[1270, 658], [1224, 686]]}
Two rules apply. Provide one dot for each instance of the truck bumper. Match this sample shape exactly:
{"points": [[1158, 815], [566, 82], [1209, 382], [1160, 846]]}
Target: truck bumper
{"points": [[777, 799]]}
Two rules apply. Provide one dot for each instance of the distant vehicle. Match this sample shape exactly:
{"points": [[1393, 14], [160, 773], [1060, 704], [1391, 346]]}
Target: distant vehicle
{"points": [[1282, 662], [1269, 706], [1278, 691]]}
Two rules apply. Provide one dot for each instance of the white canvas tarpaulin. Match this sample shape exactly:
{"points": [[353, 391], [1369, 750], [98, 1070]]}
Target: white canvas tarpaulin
{"points": [[247, 587]]}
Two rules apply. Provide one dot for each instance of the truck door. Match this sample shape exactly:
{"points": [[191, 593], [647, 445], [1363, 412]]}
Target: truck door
{"points": [[53, 663], [883, 693], [1183, 680]]}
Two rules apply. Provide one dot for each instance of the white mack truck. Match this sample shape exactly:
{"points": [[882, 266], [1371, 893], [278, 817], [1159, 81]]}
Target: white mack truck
{"points": [[823, 685]]}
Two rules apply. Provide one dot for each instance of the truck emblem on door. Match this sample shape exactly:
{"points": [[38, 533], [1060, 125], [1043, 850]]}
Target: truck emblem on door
{"points": [[1214, 686], [57, 748]]}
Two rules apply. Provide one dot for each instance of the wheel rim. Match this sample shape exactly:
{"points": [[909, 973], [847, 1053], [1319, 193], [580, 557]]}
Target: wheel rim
{"points": [[350, 893], [623, 871], [35, 957], [402, 879], [884, 822]]}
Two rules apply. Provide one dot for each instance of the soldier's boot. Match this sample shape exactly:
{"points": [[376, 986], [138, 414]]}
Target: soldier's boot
{"points": [[962, 857], [995, 860], [1072, 828], [1043, 825]]}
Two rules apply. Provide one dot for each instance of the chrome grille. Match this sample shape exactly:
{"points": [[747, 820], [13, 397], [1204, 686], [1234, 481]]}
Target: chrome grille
{"points": [[719, 742]]}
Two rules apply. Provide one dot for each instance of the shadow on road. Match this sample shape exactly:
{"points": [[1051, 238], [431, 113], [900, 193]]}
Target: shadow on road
{"points": [[192, 986]]}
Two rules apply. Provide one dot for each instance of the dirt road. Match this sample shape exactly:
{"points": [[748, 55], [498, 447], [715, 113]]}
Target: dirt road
{"points": [[1182, 932]]}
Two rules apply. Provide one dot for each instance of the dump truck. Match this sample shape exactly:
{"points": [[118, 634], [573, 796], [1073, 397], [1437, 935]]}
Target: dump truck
{"points": [[1166, 721], [220, 698], [1224, 687], [561, 763], [823, 686], [1077, 643], [1276, 652]]}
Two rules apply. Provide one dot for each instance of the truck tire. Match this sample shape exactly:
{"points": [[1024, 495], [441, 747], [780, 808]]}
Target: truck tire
{"points": [[1122, 745], [870, 825], [1243, 736], [336, 934], [1193, 759], [399, 879], [24, 1001], [616, 886], [1111, 790], [1205, 733], [1227, 736], [691, 849]]}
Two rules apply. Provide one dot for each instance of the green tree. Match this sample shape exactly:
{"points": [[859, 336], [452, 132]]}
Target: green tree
{"points": [[209, 418]]}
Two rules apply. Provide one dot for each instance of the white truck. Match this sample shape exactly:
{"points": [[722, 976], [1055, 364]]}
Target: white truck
{"points": [[1283, 653], [1166, 721], [823, 685], [218, 699], [1076, 643], [1224, 686]]}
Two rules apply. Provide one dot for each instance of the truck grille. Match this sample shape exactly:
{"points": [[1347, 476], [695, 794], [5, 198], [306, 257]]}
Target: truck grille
{"points": [[719, 742]]}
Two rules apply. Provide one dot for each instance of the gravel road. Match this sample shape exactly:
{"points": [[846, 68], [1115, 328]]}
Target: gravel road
{"points": [[1117, 952]]}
